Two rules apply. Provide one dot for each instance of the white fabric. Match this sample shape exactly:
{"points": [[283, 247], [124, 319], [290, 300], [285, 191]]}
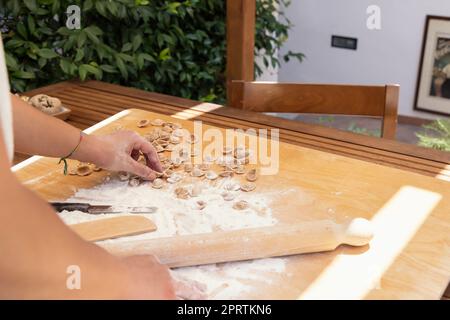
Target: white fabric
{"points": [[6, 124]]}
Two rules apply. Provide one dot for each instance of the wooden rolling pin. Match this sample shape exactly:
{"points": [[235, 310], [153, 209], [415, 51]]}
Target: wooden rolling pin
{"points": [[248, 244]]}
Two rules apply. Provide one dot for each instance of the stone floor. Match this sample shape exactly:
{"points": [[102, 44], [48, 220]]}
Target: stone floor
{"points": [[363, 125]]}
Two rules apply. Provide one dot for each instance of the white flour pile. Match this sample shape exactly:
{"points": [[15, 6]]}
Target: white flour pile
{"points": [[182, 217]]}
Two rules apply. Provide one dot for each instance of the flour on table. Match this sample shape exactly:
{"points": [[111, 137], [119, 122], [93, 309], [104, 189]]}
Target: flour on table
{"points": [[182, 217]]}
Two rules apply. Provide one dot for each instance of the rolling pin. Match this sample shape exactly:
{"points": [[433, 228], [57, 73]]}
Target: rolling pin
{"points": [[248, 244]]}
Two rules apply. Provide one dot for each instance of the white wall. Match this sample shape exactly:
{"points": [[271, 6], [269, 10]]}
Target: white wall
{"points": [[269, 74], [390, 55]]}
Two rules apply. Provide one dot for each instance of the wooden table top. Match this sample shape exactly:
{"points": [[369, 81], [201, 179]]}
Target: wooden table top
{"points": [[335, 177]]}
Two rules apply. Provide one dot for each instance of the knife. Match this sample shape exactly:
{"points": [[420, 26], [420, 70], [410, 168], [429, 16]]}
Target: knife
{"points": [[99, 209]]}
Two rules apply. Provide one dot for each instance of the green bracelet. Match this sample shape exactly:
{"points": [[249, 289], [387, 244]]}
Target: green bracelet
{"points": [[64, 159]]}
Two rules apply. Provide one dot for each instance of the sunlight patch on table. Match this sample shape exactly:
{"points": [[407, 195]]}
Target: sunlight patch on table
{"points": [[25, 163], [106, 122], [196, 111], [395, 224], [444, 173]]}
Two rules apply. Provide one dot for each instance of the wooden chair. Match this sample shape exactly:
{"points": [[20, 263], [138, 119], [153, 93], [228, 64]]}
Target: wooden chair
{"points": [[372, 101], [244, 93]]}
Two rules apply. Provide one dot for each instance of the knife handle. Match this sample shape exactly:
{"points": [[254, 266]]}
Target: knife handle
{"points": [[70, 206]]}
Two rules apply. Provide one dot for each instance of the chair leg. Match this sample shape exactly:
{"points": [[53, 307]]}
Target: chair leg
{"points": [[389, 125], [236, 97]]}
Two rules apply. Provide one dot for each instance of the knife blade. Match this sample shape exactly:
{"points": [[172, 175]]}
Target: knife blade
{"points": [[100, 209]]}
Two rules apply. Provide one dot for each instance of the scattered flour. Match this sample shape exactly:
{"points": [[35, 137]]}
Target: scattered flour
{"points": [[232, 280], [182, 217]]}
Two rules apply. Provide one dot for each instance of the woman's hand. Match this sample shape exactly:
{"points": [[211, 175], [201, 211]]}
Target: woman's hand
{"points": [[146, 278], [120, 151]]}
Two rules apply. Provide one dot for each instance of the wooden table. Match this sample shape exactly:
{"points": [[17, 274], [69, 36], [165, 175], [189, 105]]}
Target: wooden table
{"points": [[337, 175]]}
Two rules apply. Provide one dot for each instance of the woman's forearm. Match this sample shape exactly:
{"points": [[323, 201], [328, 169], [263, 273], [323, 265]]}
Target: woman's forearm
{"points": [[37, 249], [36, 133]]}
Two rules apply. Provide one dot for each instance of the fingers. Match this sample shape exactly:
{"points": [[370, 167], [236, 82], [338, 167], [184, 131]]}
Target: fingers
{"points": [[135, 154], [152, 163], [150, 154], [149, 278], [140, 169]]}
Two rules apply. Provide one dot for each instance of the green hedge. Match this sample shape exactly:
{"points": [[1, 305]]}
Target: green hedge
{"points": [[171, 47]]}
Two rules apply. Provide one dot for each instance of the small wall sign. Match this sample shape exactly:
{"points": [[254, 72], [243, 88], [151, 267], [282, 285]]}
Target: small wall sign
{"points": [[344, 42]]}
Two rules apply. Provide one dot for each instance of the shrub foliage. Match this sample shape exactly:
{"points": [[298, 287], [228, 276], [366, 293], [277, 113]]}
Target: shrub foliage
{"points": [[170, 47]]}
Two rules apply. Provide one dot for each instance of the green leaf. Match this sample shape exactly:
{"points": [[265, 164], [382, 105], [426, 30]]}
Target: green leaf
{"points": [[55, 6], [80, 55], [41, 12], [101, 51], [172, 7], [147, 57], [92, 32], [87, 68], [140, 62], [70, 42], [108, 68], [122, 68], [112, 7], [33, 47], [168, 39], [141, 2], [42, 62], [11, 62], [125, 57], [46, 2], [81, 39], [22, 30], [18, 85], [87, 5], [65, 66], [137, 41], [47, 53], [14, 43], [126, 47], [164, 54], [100, 7], [31, 24], [15, 7], [82, 72], [64, 31], [32, 55], [45, 30], [23, 74], [30, 4]]}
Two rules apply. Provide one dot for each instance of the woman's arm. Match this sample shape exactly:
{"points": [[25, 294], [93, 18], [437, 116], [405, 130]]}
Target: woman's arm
{"points": [[36, 249], [39, 134]]}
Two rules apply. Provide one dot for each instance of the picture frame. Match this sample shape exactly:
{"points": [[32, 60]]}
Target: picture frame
{"points": [[433, 83]]}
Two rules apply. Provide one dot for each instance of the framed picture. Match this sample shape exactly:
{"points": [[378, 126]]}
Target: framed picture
{"points": [[433, 85]]}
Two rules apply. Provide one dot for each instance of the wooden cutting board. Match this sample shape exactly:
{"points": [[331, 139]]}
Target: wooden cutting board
{"points": [[115, 227], [409, 254]]}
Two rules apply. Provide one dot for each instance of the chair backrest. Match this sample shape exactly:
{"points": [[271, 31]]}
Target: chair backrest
{"points": [[375, 101], [380, 101]]}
